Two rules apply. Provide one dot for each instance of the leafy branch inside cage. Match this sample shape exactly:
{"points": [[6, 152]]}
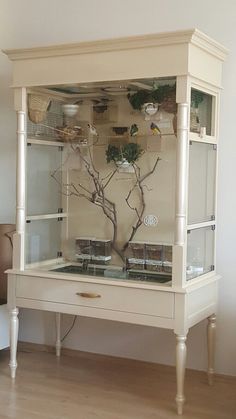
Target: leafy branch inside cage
{"points": [[157, 95], [131, 152]]}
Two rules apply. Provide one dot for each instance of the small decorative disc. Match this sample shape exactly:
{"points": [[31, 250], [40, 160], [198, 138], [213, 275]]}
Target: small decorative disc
{"points": [[150, 220]]}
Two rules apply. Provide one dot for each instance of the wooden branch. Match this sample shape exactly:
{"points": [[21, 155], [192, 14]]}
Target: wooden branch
{"points": [[139, 213], [98, 198], [110, 178]]}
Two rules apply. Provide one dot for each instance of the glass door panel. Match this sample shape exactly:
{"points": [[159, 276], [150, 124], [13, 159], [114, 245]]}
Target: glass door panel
{"points": [[43, 240], [202, 172], [200, 251], [43, 191]]}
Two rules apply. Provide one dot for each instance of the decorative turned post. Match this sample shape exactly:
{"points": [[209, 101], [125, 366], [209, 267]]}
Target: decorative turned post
{"points": [[14, 326], [58, 334], [181, 352], [181, 174], [18, 239], [20, 99], [211, 334]]}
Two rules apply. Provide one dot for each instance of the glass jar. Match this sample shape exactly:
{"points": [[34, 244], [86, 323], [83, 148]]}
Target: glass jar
{"points": [[154, 251]]}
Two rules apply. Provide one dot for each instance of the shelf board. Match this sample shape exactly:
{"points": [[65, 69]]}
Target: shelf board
{"points": [[208, 139], [55, 143], [45, 142], [196, 226], [46, 216], [52, 143]]}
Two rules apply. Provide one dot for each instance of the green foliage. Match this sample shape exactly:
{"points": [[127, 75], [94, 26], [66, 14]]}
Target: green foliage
{"points": [[129, 152], [157, 95], [112, 153], [138, 99], [196, 98], [132, 152]]}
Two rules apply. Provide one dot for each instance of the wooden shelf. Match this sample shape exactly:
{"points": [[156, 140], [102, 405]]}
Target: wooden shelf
{"points": [[46, 216], [46, 142]]}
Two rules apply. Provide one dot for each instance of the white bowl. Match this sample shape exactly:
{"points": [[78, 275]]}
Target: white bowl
{"points": [[70, 109]]}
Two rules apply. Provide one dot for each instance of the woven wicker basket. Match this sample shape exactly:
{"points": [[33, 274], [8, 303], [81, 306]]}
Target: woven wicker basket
{"points": [[37, 107]]}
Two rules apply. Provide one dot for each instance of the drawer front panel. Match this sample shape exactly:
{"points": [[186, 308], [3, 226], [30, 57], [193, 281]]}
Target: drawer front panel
{"points": [[110, 297]]}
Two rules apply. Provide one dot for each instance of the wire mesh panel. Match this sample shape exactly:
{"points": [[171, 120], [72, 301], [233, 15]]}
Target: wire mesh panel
{"points": [[47, 128]]}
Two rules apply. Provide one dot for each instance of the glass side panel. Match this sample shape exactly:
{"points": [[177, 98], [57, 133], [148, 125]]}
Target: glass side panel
{"points": [[200, 252], [43, 192], [202, 173], [43, 240], [201, 113]]}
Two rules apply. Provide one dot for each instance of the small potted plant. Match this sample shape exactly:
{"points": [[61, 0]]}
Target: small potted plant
{"points": [[157, 96], [125, 155]]}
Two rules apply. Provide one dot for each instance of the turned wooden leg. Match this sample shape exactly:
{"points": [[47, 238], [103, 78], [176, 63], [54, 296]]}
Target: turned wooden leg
{"points": [[180, 371], [58, 334], [211, 332], [14, 326]]}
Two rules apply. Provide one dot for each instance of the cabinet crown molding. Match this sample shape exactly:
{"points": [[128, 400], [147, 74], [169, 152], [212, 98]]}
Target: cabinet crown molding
{"points": [[193, 36]]}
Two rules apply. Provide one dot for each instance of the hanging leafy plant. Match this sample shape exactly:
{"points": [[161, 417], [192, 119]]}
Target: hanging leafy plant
{"points": [[138, 99], [130, 152], [157, 95]]}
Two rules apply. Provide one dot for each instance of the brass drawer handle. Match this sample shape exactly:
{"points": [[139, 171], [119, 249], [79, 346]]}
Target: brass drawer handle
{"points": [[88, 294]]}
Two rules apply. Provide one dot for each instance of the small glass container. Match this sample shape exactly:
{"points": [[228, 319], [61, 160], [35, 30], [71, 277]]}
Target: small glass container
{"points": [[154, 266], [167, 267], [154, 252], [167, 253], [101, 250], [136, 250], [136, 264], [83, 246]]}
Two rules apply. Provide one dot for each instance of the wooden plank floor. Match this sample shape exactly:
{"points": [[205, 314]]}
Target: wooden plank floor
{"points": [[89, 386]]}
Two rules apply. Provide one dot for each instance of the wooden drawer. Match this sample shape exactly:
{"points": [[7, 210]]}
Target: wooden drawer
{"points": [[109, 297]]}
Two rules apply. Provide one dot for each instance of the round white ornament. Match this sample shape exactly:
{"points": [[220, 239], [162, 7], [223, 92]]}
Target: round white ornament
{"points": [[150, 220]]}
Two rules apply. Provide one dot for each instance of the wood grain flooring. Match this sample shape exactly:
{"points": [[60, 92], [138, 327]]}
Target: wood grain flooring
{"points": [[88, 386]]}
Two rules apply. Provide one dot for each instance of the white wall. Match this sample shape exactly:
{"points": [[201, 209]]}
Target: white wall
{"points": [[32, 23]]}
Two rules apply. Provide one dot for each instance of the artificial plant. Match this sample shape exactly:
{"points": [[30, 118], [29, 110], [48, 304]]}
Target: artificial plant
{"points": [[157, 95], [129, 152]]}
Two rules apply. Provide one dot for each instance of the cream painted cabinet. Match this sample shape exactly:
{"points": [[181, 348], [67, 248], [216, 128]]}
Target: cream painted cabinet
{"points": [[116, 183]]}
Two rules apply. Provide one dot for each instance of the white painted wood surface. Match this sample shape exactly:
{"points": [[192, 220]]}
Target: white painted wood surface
{"points": [[211, 336], [181, 353], [58, 334], [14, 327], [151, 303]]}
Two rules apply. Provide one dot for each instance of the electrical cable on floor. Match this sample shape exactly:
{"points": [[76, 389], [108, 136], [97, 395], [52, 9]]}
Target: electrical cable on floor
{"points": [[69, 330]]}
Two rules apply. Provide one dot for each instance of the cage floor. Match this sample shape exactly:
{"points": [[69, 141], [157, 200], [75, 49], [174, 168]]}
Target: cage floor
{"points": [[106, 272]]}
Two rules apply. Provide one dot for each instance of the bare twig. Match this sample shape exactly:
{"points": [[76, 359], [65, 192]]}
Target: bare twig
{"points": [[139, 212]]}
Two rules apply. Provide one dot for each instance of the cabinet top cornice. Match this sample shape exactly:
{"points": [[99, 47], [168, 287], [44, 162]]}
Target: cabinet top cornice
{"points": [[191, 36]]}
